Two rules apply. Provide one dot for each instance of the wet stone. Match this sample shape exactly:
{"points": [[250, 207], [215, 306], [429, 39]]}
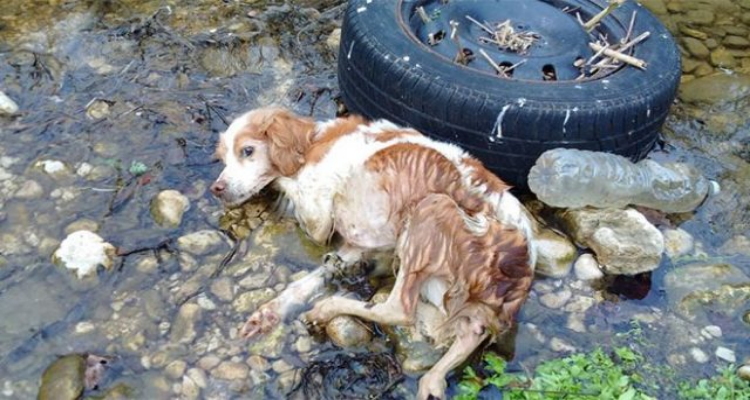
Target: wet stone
{"points": [[184, 327], [222, 288], [744, 372], [198, 376], [272, 344], [555, 254], [736, 42], [229, 370], [250, 301], [201, 242], [30, 190], [699, 355], [175, 369], [8, 107], [190, 389], [726, 354], [556, 300], [587, 268], [209, 362], [258, 363], [63, 379], [696, 48], [723, 59], [347, 331], [678, 242], [168, 207]]}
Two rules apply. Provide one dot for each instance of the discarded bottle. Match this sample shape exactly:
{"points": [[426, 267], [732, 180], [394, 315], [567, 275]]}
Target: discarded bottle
{"points": [[571, 178]]}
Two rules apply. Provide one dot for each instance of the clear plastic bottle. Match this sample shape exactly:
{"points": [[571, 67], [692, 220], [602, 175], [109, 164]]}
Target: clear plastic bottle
{"points": [[572, 178]]}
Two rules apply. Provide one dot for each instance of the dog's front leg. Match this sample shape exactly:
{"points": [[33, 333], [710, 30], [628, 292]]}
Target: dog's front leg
{"points": [[287, 304]]}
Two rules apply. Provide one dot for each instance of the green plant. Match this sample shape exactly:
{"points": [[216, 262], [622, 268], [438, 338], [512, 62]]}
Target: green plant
{"points": [[594, 375], [599, 375], [725, 386]]}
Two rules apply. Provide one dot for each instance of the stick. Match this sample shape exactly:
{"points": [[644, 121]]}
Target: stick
{"points": [[630, 28], [481, 25], [493, 63], [619, 56], [423, 14], [613, 4]]}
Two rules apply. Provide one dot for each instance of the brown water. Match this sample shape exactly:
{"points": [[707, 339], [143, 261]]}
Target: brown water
{"points": [[105, 84]]}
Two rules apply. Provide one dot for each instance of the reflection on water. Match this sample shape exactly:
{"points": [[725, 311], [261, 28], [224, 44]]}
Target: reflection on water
{"points": [[105, 87]]}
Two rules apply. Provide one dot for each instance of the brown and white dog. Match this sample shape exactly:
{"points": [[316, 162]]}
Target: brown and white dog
{"points": [[464, 243]]}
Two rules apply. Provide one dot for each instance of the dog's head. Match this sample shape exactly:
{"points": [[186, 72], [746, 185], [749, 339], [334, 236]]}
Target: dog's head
{"points": [[258, 147]]}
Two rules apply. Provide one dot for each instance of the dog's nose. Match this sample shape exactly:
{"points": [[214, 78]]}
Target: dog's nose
{"points": [[218, 188]]}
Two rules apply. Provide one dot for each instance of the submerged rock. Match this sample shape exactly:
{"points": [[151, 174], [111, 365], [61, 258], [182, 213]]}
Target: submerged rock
{"points": [[63, 379], [201, 242], [716, 89], [555, 254], [184, 327], [7, 105], [696, 289], [83, 252], [624, 241], [678, 242], [168, 207], [347, 331]]}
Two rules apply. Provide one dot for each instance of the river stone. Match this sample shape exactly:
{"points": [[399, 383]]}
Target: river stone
{"points": [[168, 207], [556, 300], [201, 242], [7, 105], [677, 243], [696, 48], [183, 328], [726, 354], [716, 89], [83, 252], [249, 301], [555, 254], [222, 288], [737, 245], [700, 17], [587, 268], [231, 371], [744, 372], [624, 241], [657, 7], [347, 331], [699, 288], [736, 42], [63, 379], [722, 58], [30, 190], [270, 345]]}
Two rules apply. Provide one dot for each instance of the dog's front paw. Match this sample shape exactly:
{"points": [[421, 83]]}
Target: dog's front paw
{"points": [[261, 321], [321, 313], [431, 387]]}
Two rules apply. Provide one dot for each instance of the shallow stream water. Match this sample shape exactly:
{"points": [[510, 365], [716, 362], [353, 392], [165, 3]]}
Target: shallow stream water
{"points": [[109, 87]]}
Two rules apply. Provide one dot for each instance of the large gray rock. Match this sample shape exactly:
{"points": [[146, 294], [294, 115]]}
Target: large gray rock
{"points": [[555, 254], [625, 242], [698, 288]]}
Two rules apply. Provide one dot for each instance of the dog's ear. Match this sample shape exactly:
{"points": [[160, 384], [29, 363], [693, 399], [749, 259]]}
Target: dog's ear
{"points": [[289, 138]]}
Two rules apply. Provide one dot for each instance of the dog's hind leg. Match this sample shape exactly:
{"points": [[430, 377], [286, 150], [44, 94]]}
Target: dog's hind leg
{"points": [[470, 334]]}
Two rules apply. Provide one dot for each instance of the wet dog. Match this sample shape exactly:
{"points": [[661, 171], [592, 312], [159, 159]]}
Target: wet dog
{"points": [[463, 242]]}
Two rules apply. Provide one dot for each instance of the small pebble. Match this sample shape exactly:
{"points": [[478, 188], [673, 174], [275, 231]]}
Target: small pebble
{"points": [[713, 330], [556, 300], [699, 355], [726, 354], [587, 268], [258, 363], [176, 369], [560, 346], [303, 344], [744, 372], [198, 376], [208, 362]]}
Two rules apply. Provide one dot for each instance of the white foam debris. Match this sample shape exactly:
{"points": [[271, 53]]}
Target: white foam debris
{"points": [[349, 54], [521, 102], [362, 9], [567, 117]]}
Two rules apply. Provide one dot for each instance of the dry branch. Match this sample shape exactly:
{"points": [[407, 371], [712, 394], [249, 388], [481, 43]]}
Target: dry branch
{"points": [[613, 4]]}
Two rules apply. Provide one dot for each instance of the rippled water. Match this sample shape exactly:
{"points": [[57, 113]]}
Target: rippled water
{"points": [[105, 84]]}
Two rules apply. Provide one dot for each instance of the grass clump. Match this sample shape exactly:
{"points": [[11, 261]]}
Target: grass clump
{"points": [[621, 374]]}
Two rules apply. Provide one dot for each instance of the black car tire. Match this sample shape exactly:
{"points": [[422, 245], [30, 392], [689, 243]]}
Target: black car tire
{"points": [[386, 72]]}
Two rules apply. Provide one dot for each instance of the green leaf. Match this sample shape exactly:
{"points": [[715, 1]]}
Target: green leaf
{"points": [[138, 168], [628, 395]]}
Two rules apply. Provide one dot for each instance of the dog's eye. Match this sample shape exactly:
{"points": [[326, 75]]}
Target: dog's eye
{"points": [[247, 151]]}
